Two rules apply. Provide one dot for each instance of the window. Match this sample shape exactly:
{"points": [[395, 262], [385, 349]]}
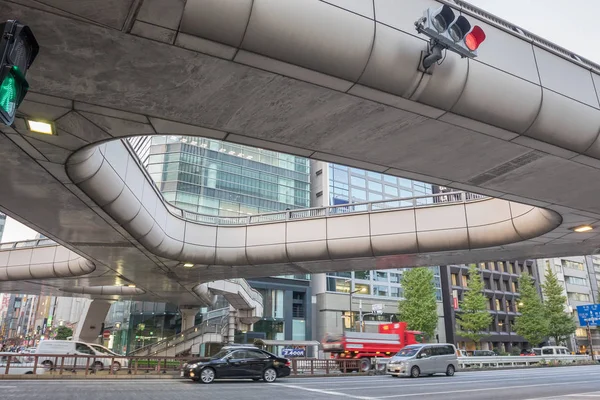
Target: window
{"points": [[255, 354], [359, 195], [390, 179], [572, 264], [578, 296], [298, 310], [576, 281], [395, 292], [362, 288], [338, 285], [498, 305], [366, 275], [375, 186], [381, 276], [380, 291], [454, 279], [464, 281], [548, 351], [356, 181], [487, 283], [394, 277], [514, 287], [497, 284], [483, 266], [83, 348], [501, 267], [390, 190]]}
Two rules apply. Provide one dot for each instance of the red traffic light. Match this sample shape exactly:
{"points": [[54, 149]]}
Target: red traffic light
{"points": [[474, 38]]}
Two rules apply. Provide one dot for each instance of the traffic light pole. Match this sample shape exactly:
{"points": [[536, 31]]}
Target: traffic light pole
{"points": [[434, 55], [589, 335]]}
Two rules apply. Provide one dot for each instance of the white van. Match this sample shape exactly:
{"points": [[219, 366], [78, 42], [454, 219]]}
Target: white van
{"points": [[118, 361], [555, 351], [63, 347], [424, 359]]}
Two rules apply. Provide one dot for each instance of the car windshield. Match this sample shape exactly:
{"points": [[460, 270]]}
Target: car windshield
{"points": [[103, 350], [220, 354], [407, 352]]}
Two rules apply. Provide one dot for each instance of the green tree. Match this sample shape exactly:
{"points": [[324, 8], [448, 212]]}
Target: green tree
{"points": [[561, 324], [532, 324], [419, 308], [62, 333], [473, 317]]}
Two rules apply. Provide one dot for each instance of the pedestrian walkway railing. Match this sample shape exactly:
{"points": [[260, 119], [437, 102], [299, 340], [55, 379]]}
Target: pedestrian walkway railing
{"points": [[24, 244]]}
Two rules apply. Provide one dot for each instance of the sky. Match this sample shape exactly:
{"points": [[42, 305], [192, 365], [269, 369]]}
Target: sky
{"points": [[572, 24]]}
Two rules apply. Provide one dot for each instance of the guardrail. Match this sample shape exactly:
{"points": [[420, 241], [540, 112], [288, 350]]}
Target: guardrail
{"points": [[504, 361]]}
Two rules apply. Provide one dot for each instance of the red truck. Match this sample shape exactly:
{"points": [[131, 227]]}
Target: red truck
{"points": [[358, 345]]}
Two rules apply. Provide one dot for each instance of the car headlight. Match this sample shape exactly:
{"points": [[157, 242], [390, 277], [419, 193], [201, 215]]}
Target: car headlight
{"points": [[192, 366], [185, 365]]}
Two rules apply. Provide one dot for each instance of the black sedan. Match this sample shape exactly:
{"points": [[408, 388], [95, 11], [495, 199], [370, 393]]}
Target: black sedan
{"points": [[238, 363]]}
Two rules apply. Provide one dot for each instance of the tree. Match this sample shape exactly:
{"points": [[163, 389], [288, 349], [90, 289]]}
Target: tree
{"points": [[532, 324], [561, 324], [419, 308], [62, 333], [474, 316]]}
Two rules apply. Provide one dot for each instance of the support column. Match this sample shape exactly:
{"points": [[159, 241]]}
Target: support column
{"points": [[231, 325], [91, 321], [188, 316]]}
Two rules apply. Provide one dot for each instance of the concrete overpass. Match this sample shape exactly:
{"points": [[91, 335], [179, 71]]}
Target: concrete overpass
{"points": [[335, 81]]}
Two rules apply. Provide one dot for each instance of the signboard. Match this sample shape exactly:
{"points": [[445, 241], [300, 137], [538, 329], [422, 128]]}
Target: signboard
{"points": [[377, 308], [106, 334], [293, 352], [589, 314]]}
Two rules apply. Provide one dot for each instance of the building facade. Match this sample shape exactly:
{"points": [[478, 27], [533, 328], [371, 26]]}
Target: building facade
{"points": [[218, 178], [501, 287], [342, 298], [580, 279]]}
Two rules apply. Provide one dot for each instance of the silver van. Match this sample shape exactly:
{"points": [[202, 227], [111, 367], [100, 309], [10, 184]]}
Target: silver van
{"points": [[424, 359]]}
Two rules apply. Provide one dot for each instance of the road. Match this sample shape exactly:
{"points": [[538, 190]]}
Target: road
{"points": [[548, 383]]}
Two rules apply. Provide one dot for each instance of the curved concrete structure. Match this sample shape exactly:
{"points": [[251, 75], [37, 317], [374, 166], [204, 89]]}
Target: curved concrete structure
{"points": [[110, 175], [104, 290], [330, 80]]}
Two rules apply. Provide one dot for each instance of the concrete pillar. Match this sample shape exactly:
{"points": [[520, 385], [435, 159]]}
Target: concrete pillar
{"points": [[231, 325], [188, 317], [90, 323]]}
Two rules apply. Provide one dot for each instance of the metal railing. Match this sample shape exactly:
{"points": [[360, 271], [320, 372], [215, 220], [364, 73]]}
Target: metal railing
{"points": [[23, 244], [316, 366], [253, 293]]}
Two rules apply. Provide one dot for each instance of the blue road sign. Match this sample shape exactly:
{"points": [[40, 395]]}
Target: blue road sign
{"points": [[589, 314]]}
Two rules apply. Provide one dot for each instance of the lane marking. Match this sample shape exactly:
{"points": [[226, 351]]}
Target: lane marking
{"points": [[8, 387], [481, 390], [329, 392], [585, 394]]}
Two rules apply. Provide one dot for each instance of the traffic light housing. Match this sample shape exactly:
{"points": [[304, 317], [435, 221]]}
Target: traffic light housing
{"points": [[447, 31], [18, 49]]}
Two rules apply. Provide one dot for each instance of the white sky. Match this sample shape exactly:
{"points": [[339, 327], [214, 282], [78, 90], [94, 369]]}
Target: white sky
{"points": [[572, 24]]}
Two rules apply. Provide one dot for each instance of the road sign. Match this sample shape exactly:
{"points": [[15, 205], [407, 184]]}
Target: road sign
{"points": [[589, 314], [106, 334], [377, 308]]}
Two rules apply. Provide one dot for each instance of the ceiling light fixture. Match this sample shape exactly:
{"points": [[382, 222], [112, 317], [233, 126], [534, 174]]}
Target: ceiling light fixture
{"points": [[188, 265], [583, 228], [131, 285], [42, 127]]}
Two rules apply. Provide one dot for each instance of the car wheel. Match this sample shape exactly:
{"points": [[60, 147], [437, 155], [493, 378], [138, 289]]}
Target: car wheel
{"points": [[270, 375], [415, 372], [98, 366], [29, 373], [47, 364], [116, 366], [450, 370], [365, 364], [207, 375]]}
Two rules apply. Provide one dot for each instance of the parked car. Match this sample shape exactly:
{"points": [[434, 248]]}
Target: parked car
{"points": [[555, 351], [117, 363], [424, 359], [65, 347], [484, 353], [238, 362]]}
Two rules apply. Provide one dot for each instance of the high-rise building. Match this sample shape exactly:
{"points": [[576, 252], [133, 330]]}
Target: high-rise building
{"points": [[219, 178], [501, 287], [2, 224], [336, 309], [580, 278]]}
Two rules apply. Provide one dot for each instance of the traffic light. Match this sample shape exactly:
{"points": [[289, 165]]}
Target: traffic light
{"points": [[447, 31], [18, 49]]}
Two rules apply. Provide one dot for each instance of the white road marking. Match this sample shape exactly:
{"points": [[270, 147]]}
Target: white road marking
{"points": [[329, 392], [586, 394], [8, 387], [480, 390]]}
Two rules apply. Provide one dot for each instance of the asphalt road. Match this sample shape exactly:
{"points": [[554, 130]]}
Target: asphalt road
{"points": [[531, 384]]}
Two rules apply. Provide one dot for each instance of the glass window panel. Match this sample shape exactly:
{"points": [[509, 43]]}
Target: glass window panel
{"points": [[375, 186], [390, 179], [362, 288], [366, 275], [407, 183], [359, 195], [356, 181], [380, 291], [381, 276], [375, 197], [374, 175], [392, 191]]}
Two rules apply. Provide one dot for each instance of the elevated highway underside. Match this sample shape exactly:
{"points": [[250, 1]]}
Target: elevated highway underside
{"points": [[308, 78]]}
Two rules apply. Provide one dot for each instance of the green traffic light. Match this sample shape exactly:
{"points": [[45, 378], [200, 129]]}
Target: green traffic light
{"points": [[9, 92]]}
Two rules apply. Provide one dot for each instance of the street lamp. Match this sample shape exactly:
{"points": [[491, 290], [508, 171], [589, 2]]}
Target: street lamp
{"points": [[351, 292]]}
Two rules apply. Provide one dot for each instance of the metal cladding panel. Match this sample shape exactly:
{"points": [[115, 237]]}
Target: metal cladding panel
{"points": [[403, 14], [20, 257], [507, 52], [198, 234], [307, 251], [445, 86], [439, 219], [530, 225], [4, 256], [198, 254], [577, 133], [136, 181], [148, 196], [443, 240], [140, 225], [125, 207], [169, 248], [97, 188], [22, 272], [392, 222], [41, 271], [223, 21], [348, 226], [154, 238], [266, 234], [349, 247], [402, 243], [44, 255], [267, 254], [553, 71], [487, 212], [307, 230], [391, 67], [175, 227], [117, 156], [311, 34], [84, 164], [488, 235], [161, 214], [498, 99], [362, 7]]}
